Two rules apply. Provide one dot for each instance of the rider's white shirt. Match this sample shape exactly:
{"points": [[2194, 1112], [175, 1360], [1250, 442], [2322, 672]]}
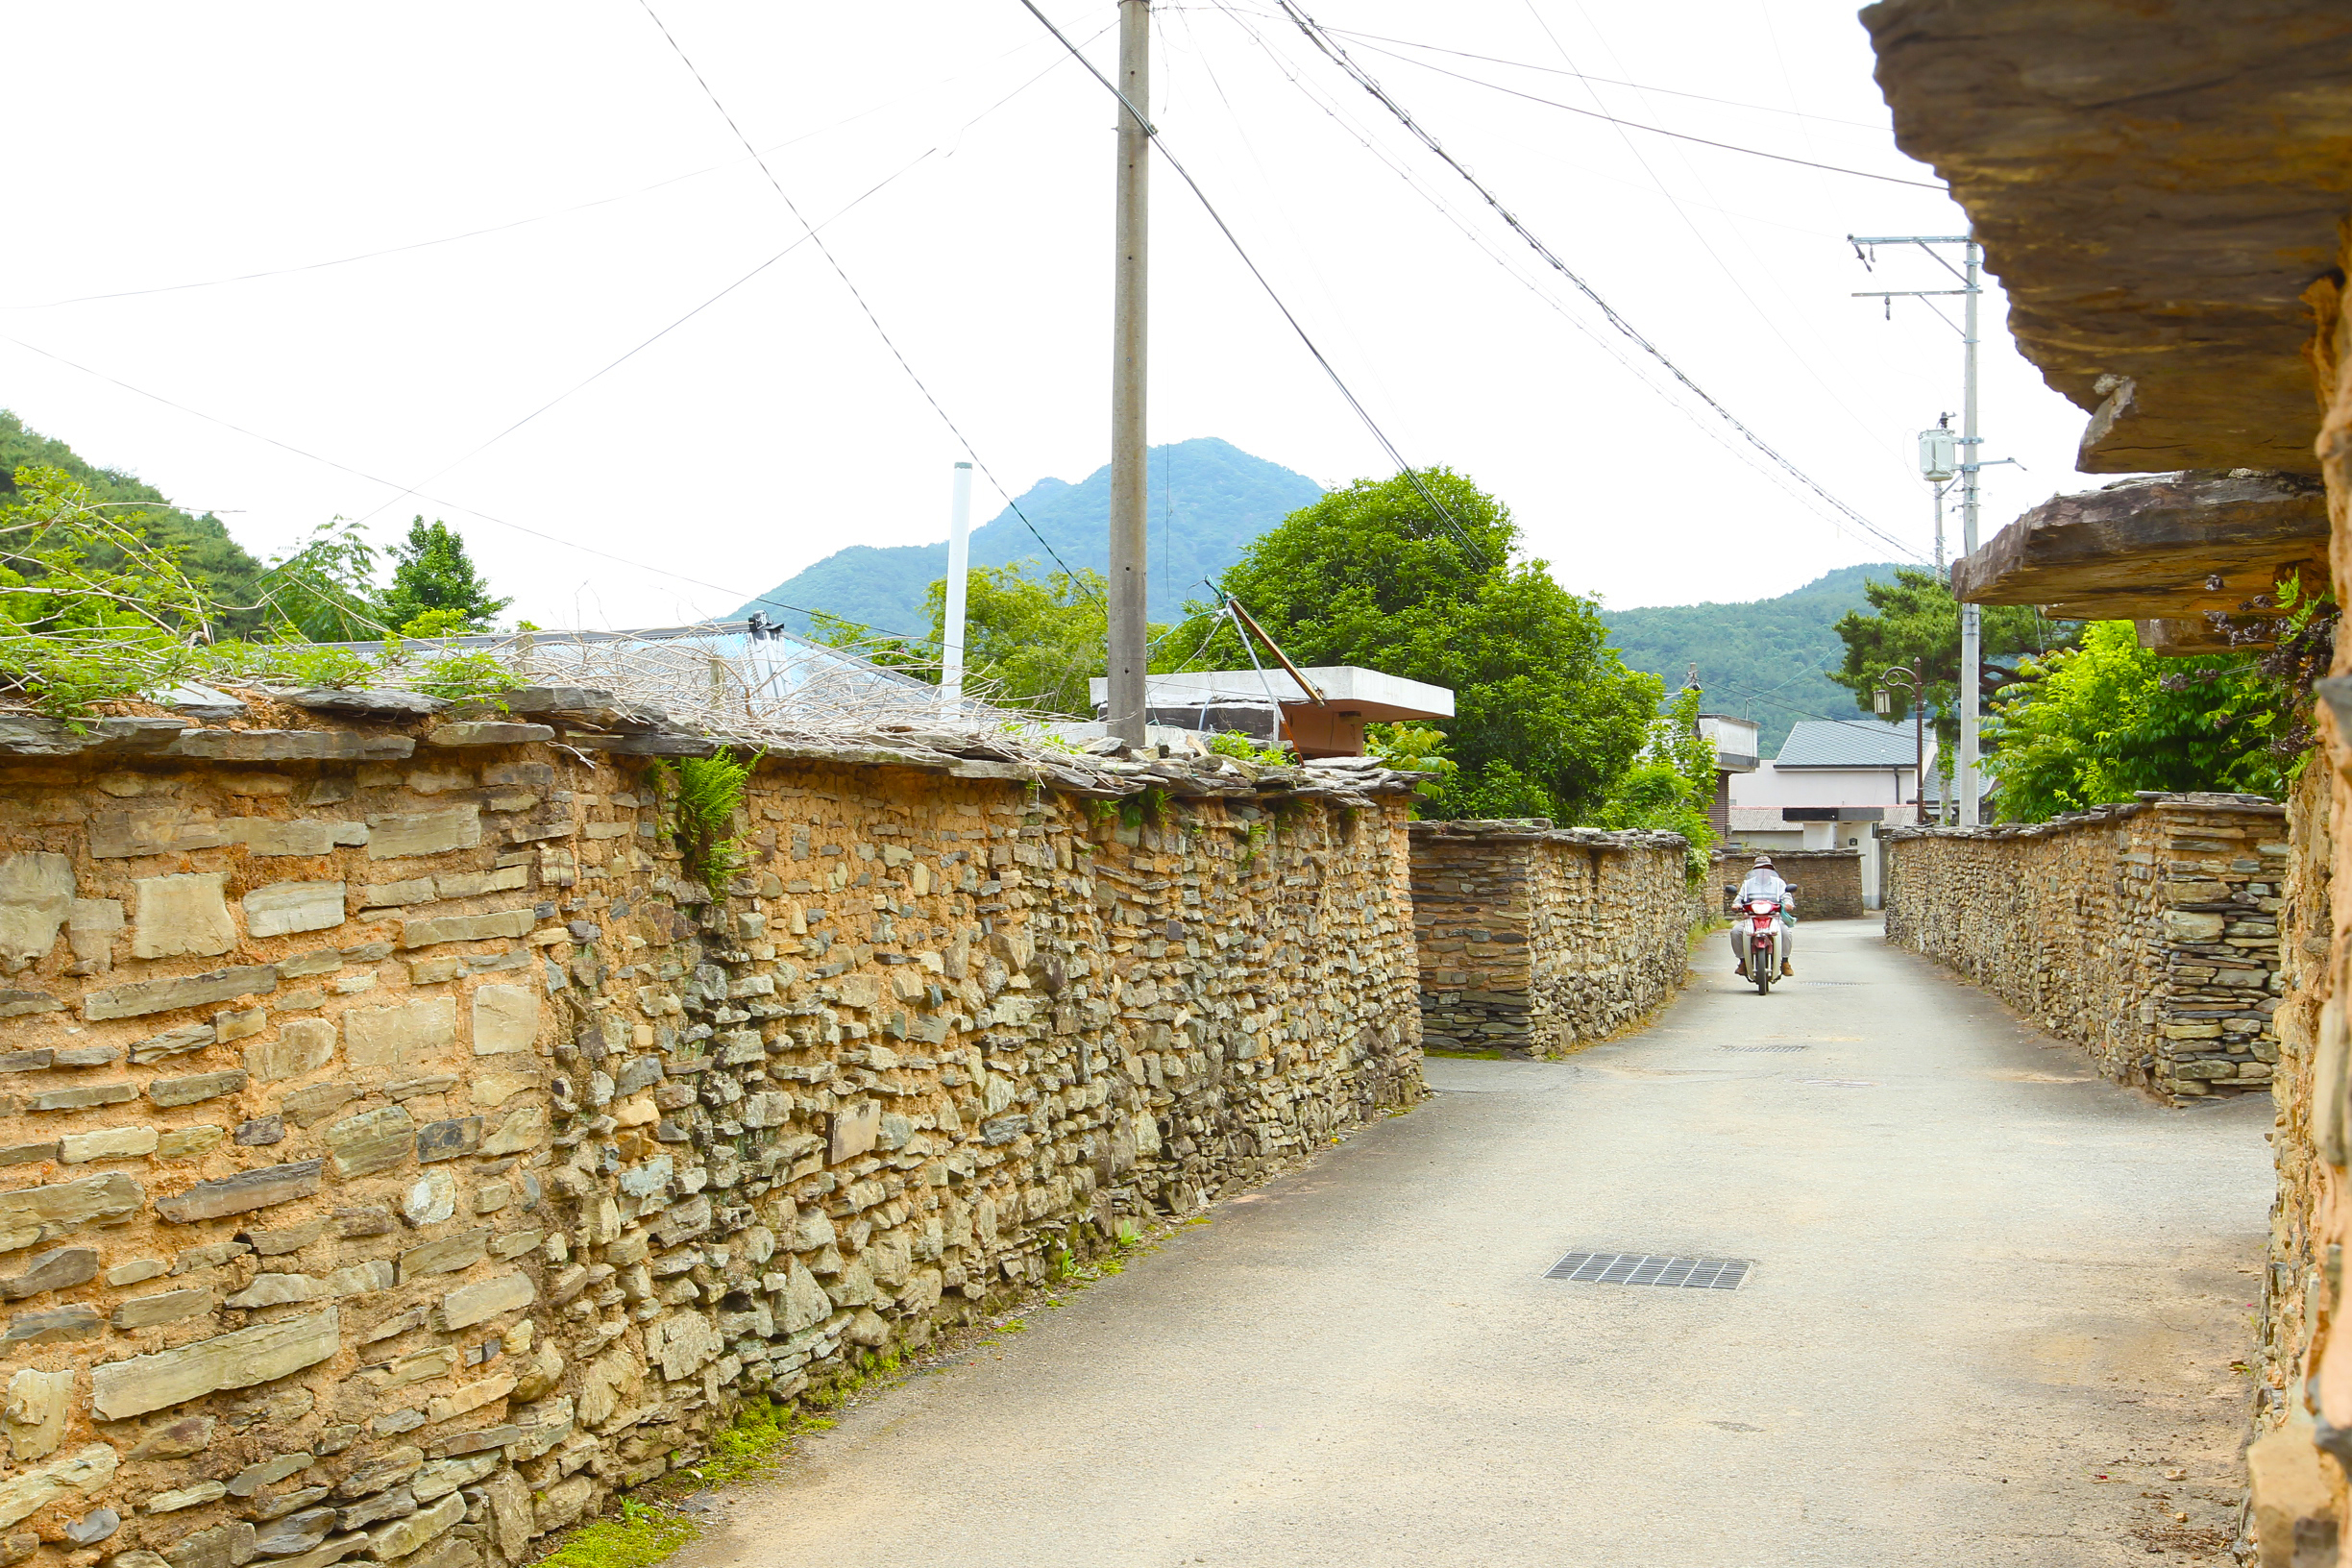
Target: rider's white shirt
{"points": [[1763, 883]]}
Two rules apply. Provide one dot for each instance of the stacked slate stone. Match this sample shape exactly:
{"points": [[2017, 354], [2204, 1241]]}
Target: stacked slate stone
{"points": [[2147, 931], [1535, 939], [401, 1149]]}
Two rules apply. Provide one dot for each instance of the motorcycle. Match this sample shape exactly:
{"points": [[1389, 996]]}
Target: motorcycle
{"points": [[1765, 952]]}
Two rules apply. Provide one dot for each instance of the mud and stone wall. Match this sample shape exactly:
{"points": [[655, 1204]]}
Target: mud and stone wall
{"points": [[2298, 1463], [1828, 882], [2147, 933], [1535, 939], [400, 1149]]}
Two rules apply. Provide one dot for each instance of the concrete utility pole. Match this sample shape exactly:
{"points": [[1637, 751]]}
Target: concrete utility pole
{"points": [[1129, 657], [1972, 660], [1972, 651], [959, 577]]}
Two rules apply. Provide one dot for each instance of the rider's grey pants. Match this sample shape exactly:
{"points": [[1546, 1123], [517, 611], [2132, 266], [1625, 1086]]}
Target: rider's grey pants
{"points": [[1739, 940]]}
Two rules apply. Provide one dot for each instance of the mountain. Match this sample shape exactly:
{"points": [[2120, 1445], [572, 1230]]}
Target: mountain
{"points": [[218, 563], [1209, 499], [1763, 659]]}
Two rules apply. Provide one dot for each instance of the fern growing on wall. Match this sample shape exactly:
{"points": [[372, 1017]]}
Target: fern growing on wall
{"points": [[701, 796]]}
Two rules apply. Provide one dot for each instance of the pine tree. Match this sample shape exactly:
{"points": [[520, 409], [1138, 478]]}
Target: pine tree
{"points": [[435, 589]]}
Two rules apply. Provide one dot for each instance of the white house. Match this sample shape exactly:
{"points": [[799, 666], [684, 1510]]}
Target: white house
{"points": [[1833, 780]]}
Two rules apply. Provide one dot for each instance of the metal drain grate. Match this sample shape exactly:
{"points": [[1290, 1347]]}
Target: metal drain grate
{"points": [[1650, 1268], [1760, 1047]]}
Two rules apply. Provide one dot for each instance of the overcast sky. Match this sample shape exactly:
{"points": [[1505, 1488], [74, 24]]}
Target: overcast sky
{"points": [[600, 197]]}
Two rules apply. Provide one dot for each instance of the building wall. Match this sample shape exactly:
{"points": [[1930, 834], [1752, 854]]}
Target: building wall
{"points": [[2145, 933], [402, 1151], [1536, 940], [1769, 786]]}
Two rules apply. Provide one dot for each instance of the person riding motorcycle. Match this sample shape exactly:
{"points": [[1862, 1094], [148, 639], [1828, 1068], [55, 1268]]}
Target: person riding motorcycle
{"points": [[1764, 882]]}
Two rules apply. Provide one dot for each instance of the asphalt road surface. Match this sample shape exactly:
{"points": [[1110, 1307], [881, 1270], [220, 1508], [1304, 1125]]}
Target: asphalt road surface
{"points": [[1989, 1318]]}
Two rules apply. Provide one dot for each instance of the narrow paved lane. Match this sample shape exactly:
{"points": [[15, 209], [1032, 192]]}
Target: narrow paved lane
{"points": [[1993, 1302]]}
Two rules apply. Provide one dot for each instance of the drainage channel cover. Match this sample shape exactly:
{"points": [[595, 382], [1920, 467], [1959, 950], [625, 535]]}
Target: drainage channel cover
{"points": [[1650, 1268], [1760, 1047]]}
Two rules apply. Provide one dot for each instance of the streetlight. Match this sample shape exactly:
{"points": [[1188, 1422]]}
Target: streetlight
{"points": [[1904, 678]]}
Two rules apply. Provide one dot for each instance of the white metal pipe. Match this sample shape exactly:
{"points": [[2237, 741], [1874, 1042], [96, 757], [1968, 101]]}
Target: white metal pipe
{"points": [[959, 573]]}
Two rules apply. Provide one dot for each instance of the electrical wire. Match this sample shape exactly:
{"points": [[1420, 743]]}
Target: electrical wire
{"points": [[1869, 432], [838, 271], [542, 217], [1478, 552], [1332, 50], [378, 478], [730, 288], [1605, 81], [614, 364], [1710, 429], [1707, 428], [1655, 129]]}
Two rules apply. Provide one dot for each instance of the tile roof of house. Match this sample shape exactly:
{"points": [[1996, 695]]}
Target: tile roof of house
{"points": [[1846, 743]]}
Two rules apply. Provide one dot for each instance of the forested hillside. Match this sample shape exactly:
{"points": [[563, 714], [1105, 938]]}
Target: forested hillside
{"points": [[1209, 500], [1766, 659], [218, 563]]}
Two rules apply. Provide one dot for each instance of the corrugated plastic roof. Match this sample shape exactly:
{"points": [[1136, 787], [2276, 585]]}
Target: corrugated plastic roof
{"points": [[1850, 742]]}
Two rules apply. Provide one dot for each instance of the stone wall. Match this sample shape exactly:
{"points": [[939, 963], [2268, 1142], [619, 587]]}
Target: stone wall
{"points": [[1535, 939], [2146, 933], [404, 1150], [1828, 882], [2297, 1494], [2292, 1291]]}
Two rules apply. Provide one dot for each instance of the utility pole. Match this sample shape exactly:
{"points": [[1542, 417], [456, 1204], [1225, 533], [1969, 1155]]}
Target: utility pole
{"points": [[959, 574], [1130, 461], [1972, 651], [1972, 661]]}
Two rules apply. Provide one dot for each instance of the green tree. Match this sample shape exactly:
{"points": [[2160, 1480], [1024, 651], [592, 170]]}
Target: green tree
{"points": [[1915, 621], [1029, 642], [199, 544], [1671, 785], [1546, 716], [435, 590], [2098, 722], [324, 590], [89, 610]]}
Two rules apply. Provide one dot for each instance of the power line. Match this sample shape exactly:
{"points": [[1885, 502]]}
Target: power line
{"points": [[541, 218], [378, 478], [1477, 551], [1730, 274], [1339, 55], [1712, 430], [723, 293], [632, 353], [826, 251], [1654, 130], [1605, 81]]}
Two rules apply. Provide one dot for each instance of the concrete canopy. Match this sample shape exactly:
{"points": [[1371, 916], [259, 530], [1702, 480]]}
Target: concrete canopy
{"points": [[2156, 184]]}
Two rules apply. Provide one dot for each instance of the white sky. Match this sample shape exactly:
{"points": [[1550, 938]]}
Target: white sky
{"points": [[177, 144]]}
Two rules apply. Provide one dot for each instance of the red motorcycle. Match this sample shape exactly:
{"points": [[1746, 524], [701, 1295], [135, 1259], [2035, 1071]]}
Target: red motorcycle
{"points": [[1767, 948]]}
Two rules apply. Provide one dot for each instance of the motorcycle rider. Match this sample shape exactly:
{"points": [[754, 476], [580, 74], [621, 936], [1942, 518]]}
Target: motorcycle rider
{"points": [[1764, 882]]}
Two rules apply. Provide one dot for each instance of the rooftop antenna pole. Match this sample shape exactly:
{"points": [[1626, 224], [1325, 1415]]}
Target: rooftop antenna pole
{"points": [[1128, 662], [959, 572]]}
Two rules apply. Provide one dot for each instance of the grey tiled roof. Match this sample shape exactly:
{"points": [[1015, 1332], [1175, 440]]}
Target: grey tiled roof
{"points": [[1851, 743]]}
